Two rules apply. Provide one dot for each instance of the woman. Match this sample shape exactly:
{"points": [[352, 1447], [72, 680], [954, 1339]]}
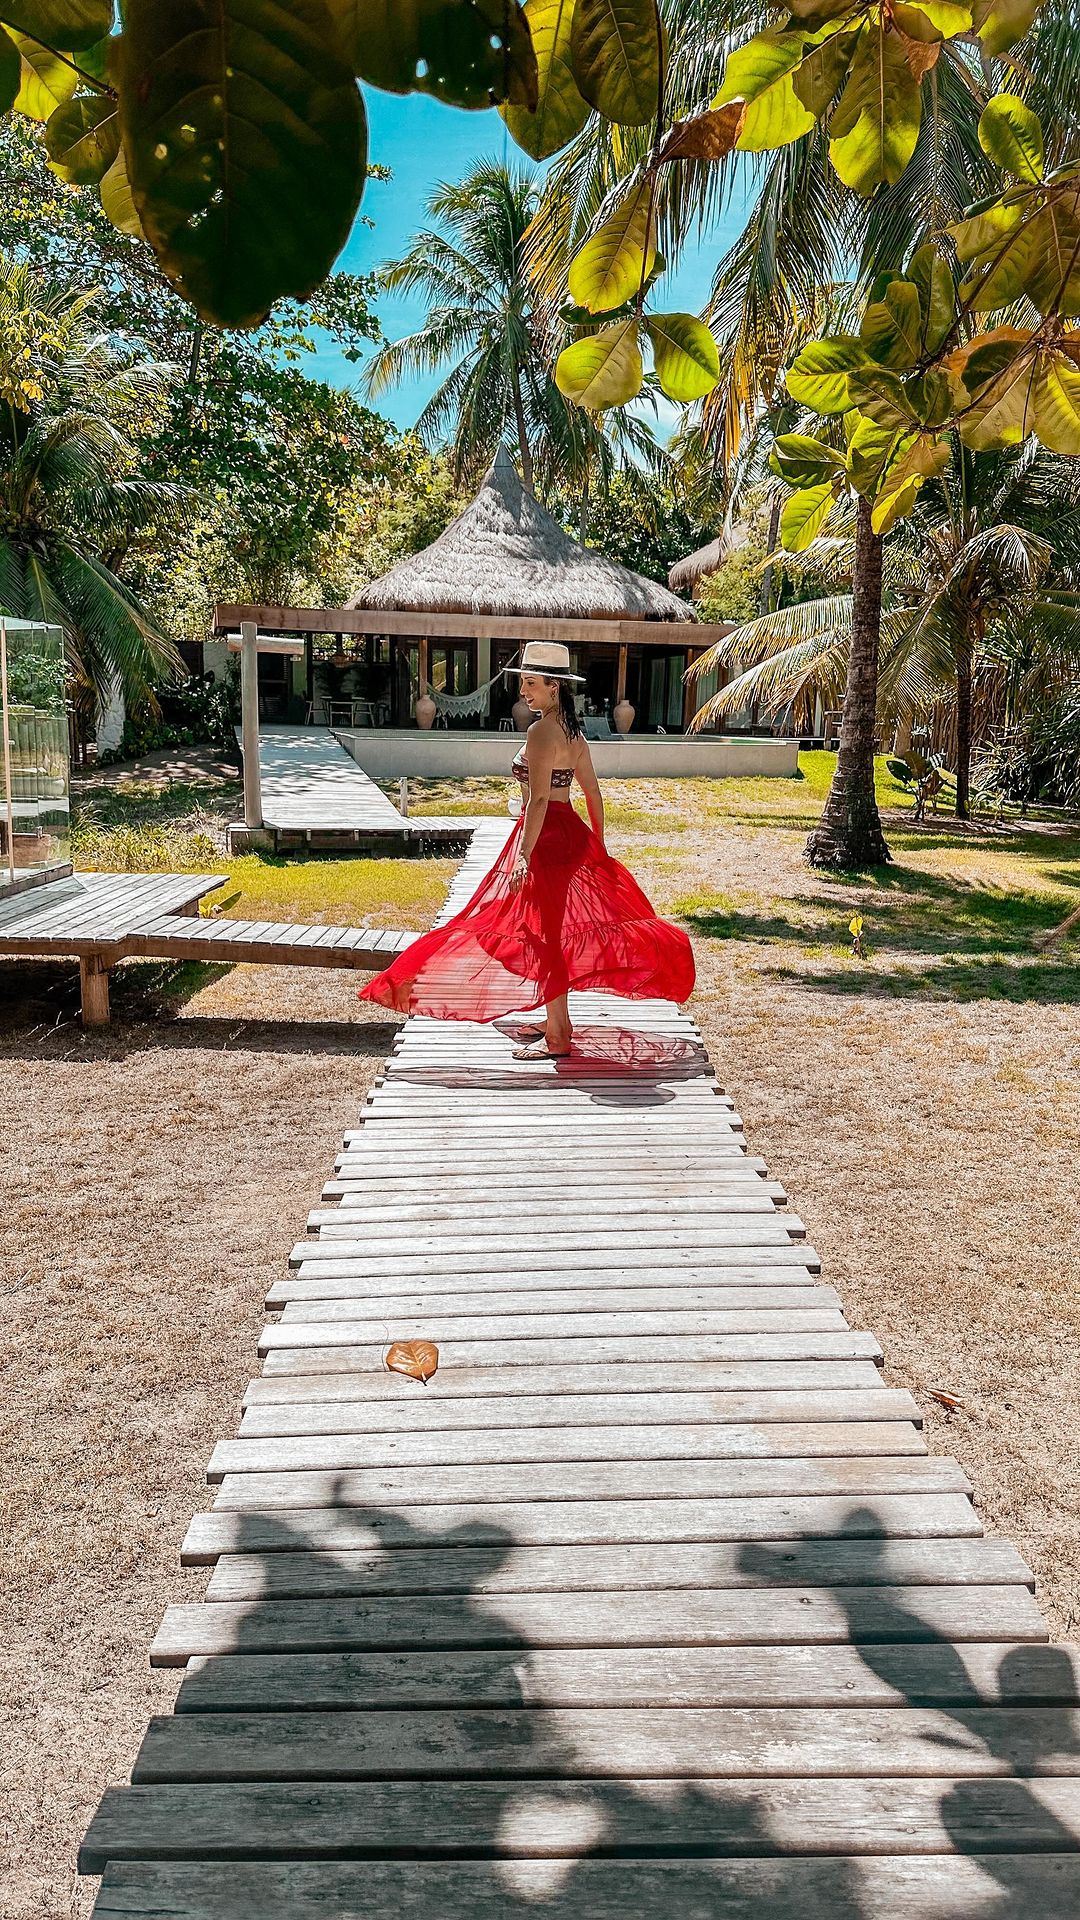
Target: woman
{"points": [[556, 912]]}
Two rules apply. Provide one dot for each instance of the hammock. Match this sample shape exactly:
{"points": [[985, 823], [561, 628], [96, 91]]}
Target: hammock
{"points": [[463, 704]]}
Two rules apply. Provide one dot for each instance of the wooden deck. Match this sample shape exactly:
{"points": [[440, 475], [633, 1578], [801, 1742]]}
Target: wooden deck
{"points": [[651, 1603], [102, 918]]}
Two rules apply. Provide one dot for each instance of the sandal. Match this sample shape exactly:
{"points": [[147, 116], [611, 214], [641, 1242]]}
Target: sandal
{"points": [[539, 1050]]}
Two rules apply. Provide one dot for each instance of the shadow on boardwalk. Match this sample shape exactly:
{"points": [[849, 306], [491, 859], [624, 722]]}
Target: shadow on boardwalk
{"points": [[552, 1833]]}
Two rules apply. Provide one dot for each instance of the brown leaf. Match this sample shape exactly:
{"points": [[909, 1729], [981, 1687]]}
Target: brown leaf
{"points": [[418, 1358], [947, 1400], [920, 55], [708, 136]]}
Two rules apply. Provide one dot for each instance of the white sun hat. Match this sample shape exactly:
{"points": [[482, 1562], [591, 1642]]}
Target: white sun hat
{"points": [[548, 658]]}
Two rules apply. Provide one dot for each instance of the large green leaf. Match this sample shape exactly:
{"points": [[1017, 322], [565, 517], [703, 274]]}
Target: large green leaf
{"points": [[470, 53], [1011, 136], [983, 358], [875, 125], [932, 19], [612, 265], [1003, 413], [761, 74], [1007, 269], [987, 231], [684, 353], [869, 446], [803, 461], [245, 146], [1054, 284], [615, 47], [603, 370], [930, 272], [804, 515], [1056, 404], [82, 138], [10, 72], [916, 461], [820, 374], [561, 110], [44, 81], [881, 395], [117, 201], [892, 328], [69, 25], [816, 79], [1001, 23]]}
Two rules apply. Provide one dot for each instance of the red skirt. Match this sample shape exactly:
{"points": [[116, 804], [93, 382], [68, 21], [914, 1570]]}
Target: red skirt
{"points": [[579, 922]]}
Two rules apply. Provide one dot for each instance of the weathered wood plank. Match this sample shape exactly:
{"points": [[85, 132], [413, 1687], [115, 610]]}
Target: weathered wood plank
{"points": [[315, 1322], [418, 1418], [554, 1258], [538, 1445], [653, 1480], [328, 1529], [468, 1354], [948, 1886], [921, 1673], [659, 1617], [611, 1287], [496, 1567], [767, 1375]]}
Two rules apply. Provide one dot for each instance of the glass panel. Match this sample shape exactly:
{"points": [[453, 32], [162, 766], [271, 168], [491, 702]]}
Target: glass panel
{"points": [[676, 668], [35, 829]]}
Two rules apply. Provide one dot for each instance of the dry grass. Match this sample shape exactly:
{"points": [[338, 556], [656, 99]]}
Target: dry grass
{"points": [[920, 1107]]}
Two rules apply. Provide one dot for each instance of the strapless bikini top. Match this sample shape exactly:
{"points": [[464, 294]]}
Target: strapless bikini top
{"points": [[560, 776]]}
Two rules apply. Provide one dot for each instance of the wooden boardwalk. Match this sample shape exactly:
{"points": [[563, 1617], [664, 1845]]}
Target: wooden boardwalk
{"points": [[315, 794], [103, 918], [651, 1603]]}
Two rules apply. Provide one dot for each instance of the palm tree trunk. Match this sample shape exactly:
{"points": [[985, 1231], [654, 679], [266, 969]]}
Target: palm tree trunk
{"points": [[765, 596], [849, 834], [963, 726], [523, 438]]}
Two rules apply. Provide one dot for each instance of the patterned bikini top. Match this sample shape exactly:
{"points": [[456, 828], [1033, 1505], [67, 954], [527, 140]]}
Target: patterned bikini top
{"points": [[560, 776]]}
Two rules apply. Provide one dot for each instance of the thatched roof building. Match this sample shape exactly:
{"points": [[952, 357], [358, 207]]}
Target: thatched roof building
{"points": [[506, 556]]}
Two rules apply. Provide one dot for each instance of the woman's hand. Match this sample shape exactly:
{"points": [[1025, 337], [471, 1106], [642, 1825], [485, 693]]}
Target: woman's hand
{"points": [[519, 873]]}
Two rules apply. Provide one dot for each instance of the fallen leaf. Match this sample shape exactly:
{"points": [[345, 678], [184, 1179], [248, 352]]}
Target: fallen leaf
{"points": [[947, 1400], [418, 1358]]}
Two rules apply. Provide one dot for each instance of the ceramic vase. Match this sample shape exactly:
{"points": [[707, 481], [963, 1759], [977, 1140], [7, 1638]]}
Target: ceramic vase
{"points": [[623, 716], [425, 711]]}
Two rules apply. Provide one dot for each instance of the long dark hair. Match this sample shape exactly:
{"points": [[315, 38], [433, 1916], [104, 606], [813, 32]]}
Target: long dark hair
{"points": [[567, 711]]}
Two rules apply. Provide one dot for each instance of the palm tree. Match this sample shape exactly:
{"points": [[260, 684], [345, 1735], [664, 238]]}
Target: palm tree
{"points": [[484, 317], [982, 611], [71, 492]]}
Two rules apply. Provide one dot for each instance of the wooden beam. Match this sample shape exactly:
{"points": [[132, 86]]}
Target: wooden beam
{"points": [[294, 648], [467, 626], [249, 706]]}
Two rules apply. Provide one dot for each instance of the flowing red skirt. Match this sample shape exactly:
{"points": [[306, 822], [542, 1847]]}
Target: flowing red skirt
{"points": [[580, 921]]}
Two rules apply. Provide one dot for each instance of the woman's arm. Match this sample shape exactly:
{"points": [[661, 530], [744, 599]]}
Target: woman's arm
{"points": [[585, 773], [540, 745]]}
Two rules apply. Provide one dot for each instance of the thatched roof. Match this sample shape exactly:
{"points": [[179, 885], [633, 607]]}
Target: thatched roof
{"points": [[685, 574], [505, 554]]}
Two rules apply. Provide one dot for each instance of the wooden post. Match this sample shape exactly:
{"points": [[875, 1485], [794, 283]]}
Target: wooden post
{"points": [[249, 709], [94, 987], [423, 667], [620, 673], [5, 746]]}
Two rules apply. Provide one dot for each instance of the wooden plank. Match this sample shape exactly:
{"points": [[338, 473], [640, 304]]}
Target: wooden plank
{"points": [[947, 1886], [470, 1354], [419, 1416], [596, 1204], [498, 1567], [491, 1446], [392, 1392], [649, 1481], [728, 1743], [326, 1529], [316, 1261], [681, 1296], [301, 1325], [671, 1617]]}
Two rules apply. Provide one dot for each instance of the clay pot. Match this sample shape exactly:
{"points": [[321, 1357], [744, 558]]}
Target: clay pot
{"points": [[522, 714], [425, 711], [623, 716]]}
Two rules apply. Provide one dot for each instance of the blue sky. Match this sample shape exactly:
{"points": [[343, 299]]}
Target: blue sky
{"points": [[423, 142]]}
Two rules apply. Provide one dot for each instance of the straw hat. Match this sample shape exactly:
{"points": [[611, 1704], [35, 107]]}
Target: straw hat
{"points": [[549, 658]]}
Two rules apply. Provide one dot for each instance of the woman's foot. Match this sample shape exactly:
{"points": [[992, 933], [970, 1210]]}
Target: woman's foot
{"points": [[525, 1034], [542, 1049]]}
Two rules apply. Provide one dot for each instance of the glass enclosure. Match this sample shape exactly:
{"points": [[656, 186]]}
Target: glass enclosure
{"points": [[34, 782]]}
